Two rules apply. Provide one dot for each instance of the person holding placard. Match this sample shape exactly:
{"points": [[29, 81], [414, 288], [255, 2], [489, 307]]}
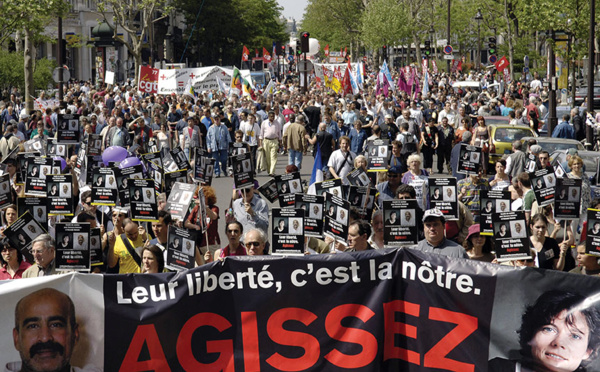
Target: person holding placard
{"points": [[417, 178], [549, 254], [469, 193], [576, 165], [479, 247]]}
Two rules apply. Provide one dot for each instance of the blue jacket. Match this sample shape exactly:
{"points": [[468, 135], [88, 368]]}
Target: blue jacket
{"points": [[564, 130], [218, 138], [357, 140]]}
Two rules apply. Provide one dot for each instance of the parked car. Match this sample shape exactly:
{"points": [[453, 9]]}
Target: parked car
{"points": [[554, 144], [503, 135], [560, 111], [581, 94]]}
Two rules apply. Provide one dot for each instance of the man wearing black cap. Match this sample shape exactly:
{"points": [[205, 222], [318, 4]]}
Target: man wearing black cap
{"points": [[435, 241], [387, 189]]}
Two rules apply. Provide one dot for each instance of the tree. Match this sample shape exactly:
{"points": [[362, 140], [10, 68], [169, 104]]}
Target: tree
{"points": [[223, 27], [29, 17], [334, 22], [383, 24], [135, 17]]}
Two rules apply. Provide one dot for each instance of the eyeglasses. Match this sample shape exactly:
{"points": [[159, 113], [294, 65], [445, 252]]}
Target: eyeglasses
{"points": [[233, 231], [253, 244], [7, 249]]}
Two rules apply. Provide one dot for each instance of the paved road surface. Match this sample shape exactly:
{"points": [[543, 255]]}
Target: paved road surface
{"points": [[224, 188]]}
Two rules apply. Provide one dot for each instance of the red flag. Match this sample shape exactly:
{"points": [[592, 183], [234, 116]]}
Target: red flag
{"points": [[266, 55], [501, 64], [327, 51], [341, 52], [245, 54], [337, 73], [346, 84], [256, 52], [345, 51]]}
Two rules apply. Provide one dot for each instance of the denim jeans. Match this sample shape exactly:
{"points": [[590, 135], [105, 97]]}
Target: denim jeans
{"points": [[220, 156], [295, 157]]}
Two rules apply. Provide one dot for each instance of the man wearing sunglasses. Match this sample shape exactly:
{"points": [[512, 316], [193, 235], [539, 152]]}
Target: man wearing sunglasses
{"points": [[387, 189], [256, 241]]}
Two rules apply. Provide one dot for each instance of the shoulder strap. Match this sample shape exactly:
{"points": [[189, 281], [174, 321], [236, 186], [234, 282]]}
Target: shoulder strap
{"points": [[337, 171], [131, 250]]}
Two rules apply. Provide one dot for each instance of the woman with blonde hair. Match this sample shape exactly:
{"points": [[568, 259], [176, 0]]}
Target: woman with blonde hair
{"points": [[417, 178]]}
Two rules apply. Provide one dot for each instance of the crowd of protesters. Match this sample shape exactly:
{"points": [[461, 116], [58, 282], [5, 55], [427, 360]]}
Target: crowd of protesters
{"points": [[287, 126]]}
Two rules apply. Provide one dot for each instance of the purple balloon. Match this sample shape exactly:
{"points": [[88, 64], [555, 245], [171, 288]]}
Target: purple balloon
{"points": [[63, 162], [129, 162], [114, 153]]}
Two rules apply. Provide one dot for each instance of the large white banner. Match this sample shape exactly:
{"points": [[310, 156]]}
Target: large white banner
{"points": [[201, 78]]}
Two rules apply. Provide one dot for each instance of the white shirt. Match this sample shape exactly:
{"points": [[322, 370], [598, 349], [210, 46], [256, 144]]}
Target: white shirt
{"points": [[250, 133], [337, 159]]}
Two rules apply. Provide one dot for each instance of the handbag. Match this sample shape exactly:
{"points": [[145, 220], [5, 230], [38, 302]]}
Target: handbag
{"points": [[261, 161]]}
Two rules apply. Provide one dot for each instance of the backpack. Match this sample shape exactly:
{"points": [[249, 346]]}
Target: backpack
{"points": [[410, 146]]}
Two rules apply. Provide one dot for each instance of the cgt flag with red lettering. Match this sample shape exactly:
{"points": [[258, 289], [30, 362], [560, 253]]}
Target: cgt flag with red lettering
{"points": [[266, 55], [245, 54], [379, 310]]}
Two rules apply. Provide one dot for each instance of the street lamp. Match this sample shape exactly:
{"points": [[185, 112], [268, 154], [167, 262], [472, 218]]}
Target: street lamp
{"points": [[478, 18], [431, 35]]}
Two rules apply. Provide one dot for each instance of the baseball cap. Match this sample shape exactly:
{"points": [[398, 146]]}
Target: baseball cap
{"points": [[535, 149], [434, 213], [395, 170]]}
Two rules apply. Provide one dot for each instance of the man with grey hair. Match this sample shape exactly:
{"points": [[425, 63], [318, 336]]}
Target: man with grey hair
{"points": [[255, 241], [515, 163], [44, 252]]}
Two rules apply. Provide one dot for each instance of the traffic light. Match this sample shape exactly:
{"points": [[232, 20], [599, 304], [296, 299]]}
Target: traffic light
{"points": [[278, 49], [304, 42], [492, 45], [290, 50], [384, 51], [298, 47], [283, 50], [427, 49]]}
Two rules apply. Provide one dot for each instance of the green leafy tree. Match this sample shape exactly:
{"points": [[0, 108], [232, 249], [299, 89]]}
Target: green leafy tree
{"points": [[224, 27], [334, 22], [135, 18], [383, 24], [29, 18]]}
